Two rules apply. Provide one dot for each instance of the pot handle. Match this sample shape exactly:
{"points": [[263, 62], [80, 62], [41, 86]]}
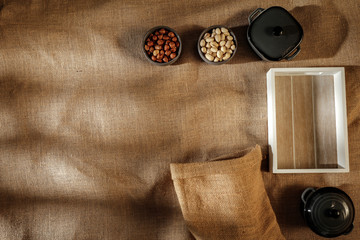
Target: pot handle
{"points": [[349, 230], [306, 193], [256, 12], [294, 54]]}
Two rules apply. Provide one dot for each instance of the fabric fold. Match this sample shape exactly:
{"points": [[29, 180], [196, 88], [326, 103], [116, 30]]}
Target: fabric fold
{"points": [[226, 199]]}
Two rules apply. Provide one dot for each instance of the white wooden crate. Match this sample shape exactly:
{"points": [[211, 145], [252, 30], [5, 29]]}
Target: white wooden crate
{"points": [[307, 122]]}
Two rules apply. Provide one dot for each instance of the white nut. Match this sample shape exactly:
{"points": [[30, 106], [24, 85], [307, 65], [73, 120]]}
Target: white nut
{"points": [[233, 47], [209, 39], [202, 43], [224, 30], [209, 57], [203, 49], [207, 45], [222, 43], [213, 49], [228, 44], [218, 31], [223, 37], [223, 49], [219, 54], [217, 38], [230, 38], [206, 35], [226, 33], [227, 56], [213, 34], [214, 44], [230, 51], [214, 30], [216, 59], [213, 54], [208, 51]]}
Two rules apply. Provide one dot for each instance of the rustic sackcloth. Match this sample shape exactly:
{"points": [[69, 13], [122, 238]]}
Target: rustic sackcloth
{"points": [[226, 199], [88, 127]]}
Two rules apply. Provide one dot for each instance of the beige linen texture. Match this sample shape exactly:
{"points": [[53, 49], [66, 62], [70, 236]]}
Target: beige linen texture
{"points": [[226, 199], [88, 127]]}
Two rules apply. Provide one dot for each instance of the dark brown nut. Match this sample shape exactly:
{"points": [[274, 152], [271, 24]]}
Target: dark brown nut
{"points": [[166, 47], [153, 58], [162, 31], [167, 42], [167, 53], [148, 39], [151, 35], [151, 43], [160, 56], [157, 33], [158, 47], [165, 59], [154, 38], [171, 34], [152, 49], [162, 52], [173, 49], [177, 44], [166, 37], [159, 60], [160, 42], [172, 44], [174, 39], [147, 48], [173, 55], [160, 36]]}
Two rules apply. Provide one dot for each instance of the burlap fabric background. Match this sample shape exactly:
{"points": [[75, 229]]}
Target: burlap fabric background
{"points": [[88, 128]]}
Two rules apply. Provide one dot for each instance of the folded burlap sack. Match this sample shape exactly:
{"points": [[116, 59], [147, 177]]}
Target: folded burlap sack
{"points": [[226, 199]]}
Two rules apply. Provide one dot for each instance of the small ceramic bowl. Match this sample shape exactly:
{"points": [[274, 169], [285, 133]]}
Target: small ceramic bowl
{"points": [[178, 50], [209, 30]]}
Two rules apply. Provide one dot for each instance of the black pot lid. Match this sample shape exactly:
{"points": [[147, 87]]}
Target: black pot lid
{"points": [[275, 33], [330, 212]]}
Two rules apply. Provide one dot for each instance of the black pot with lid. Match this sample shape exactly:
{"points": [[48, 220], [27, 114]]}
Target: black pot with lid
{"points": [[274, 34], [328, 211]]}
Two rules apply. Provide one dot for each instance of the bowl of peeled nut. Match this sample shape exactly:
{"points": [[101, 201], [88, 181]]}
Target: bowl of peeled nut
{"points": [[161, 45], [217, 45]]}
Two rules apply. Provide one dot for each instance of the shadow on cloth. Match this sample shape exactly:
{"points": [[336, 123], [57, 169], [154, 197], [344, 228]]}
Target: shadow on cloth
{"points": [[325, 30]]}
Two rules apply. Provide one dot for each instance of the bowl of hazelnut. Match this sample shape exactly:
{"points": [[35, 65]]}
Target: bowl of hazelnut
{"points": [[162, 45], [217, 45]]}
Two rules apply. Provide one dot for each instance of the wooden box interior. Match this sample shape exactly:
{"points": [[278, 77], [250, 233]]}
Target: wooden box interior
{"points": [[305, 122]]}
